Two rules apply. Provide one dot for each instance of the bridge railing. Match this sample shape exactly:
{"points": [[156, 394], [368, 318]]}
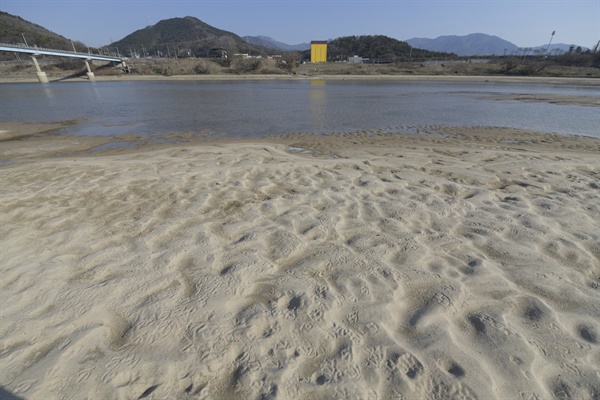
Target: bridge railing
{"points": [[36, 49]]}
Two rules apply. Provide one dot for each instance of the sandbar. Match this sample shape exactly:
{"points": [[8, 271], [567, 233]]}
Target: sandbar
{"points": [[457, 263]]}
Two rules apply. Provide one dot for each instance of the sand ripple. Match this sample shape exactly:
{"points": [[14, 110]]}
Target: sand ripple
{"points": [[246, 271]]}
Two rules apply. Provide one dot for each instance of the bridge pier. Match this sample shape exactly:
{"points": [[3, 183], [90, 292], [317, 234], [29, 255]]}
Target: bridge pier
{"points": [[89, 72], [40, 74], [34, 52]]}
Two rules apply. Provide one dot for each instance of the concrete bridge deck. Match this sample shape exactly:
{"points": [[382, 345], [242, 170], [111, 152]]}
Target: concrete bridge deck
{"points": [[37, 51]]}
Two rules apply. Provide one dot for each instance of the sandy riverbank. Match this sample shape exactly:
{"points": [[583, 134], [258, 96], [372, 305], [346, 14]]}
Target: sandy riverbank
{"points": [[338, 266]]}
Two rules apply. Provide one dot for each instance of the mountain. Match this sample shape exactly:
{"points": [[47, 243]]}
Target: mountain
{"points": [[271, 43], [183, 36], [374, 47], [559, 47], [14, 28], [482, 44], [469, 45]]}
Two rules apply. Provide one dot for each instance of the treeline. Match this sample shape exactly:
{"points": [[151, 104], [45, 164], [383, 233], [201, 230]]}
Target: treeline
{"points": [[578, 58], [377, 47], [15, 30]]}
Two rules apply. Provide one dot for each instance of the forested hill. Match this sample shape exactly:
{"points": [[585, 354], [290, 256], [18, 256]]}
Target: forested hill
{"points": [[16, 30], [375, 47], [182, 36]]}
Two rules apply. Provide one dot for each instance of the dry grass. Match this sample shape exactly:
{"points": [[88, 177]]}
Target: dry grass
{"points": [[460, 69], [59, 68]]}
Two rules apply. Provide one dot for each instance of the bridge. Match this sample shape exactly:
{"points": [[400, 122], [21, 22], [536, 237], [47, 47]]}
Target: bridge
{"points": [[36, 51]]}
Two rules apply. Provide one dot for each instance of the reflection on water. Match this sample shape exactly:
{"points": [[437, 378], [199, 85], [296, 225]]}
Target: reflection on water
{"points": [[317, 105], [114, 145], [92, 128], [48, 91], [262, 108]]}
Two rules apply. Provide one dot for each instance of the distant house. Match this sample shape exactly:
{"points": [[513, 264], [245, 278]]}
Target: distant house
{"points": [[355, 59], [318, 51], [217, 52]]}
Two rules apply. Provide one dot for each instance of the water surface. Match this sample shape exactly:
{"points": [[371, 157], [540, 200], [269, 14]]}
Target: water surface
{"points": [[262, 108]]}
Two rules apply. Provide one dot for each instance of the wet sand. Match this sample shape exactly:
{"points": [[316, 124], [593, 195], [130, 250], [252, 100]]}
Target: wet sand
{"points": [[460, 263]]}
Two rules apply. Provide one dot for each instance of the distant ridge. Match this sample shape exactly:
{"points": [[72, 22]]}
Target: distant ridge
{"points": [[469, 45], [271, 43], [479, 44], [562, 47]]}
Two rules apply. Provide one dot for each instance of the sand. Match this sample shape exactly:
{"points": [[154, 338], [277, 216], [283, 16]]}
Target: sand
{"points": [[463, 264]]}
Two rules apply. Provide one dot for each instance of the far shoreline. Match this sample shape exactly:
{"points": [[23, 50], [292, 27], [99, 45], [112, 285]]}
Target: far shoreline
{"points": [[301, 77]]}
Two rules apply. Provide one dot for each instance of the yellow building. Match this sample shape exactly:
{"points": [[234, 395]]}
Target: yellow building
{"points": [[318, 51]]}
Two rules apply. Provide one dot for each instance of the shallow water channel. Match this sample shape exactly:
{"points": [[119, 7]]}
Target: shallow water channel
{"points": [[262, 108]]}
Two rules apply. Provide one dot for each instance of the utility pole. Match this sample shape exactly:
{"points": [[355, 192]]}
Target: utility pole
{"points": [[547, 47]]}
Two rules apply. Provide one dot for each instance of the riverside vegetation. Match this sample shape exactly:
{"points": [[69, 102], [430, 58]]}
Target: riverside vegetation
{"points": [[581, 65]]}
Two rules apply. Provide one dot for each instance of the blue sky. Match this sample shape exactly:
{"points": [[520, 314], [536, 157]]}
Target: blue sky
{"points": [[526, 23]]}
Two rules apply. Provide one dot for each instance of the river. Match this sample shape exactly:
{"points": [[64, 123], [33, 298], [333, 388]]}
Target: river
{"points": [[262, 108]]}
